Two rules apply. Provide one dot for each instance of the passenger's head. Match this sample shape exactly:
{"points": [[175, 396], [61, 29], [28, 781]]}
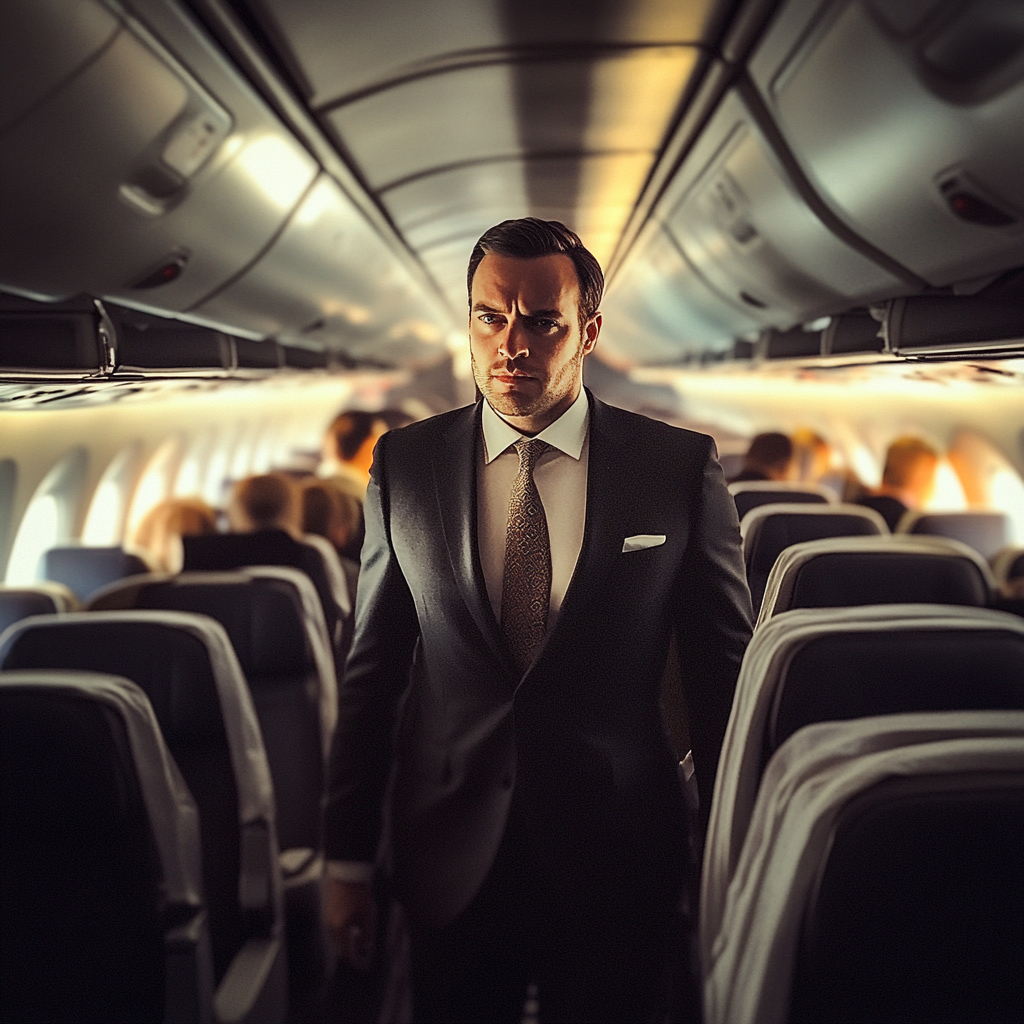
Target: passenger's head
{"points": [[162, 528], [266, 502], [812, 456], [534, 291], [909, 472], [770, 454], [350, 439], [328, 511]]}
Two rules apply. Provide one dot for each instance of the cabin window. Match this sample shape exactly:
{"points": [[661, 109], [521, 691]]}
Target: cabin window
{"points": [[104, 522], [49, 519], [8, 481], [989, 479], [155, 483]]}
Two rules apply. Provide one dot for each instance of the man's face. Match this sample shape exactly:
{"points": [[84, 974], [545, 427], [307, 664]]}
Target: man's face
{"points": [[525, 338]]}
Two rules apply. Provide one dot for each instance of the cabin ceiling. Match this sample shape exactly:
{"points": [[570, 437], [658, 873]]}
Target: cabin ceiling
{"points": [[458, 114]]}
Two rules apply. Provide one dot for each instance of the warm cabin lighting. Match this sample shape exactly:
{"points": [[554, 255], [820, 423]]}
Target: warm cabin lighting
{"points": [[103, 523], [155, 483], [323, 197], [281, 170], [948, 495], [1006, 494], [38, 533]]}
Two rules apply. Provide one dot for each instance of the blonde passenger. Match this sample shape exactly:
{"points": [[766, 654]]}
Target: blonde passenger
{"points": [[908, 480], [812, 457], [160, 532], [267, 502]]}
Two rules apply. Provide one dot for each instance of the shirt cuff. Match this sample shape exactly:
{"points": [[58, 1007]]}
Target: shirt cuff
{"points": [[348, 871]]}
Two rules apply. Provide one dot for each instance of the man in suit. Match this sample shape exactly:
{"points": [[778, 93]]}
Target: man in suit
{"points": [[527, 560]]}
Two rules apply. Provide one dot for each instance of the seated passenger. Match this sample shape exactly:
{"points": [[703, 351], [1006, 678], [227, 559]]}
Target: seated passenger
{"points": [[267, 502], [769, 457], [160, 532], [348, 450], [812, 460], [908, 480], [330, 512]]}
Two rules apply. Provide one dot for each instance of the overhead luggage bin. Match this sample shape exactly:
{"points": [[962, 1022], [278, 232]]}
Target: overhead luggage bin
{"points": [[174, 189], [906, 121], [661, 309], [328, 277], [745, 227]]}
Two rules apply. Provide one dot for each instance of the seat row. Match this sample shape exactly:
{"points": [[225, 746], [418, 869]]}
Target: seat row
{"points": [[236, 668], [865, 852]]}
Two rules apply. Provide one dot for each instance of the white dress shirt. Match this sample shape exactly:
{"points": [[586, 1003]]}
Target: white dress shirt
{"points": [[561, 478]]}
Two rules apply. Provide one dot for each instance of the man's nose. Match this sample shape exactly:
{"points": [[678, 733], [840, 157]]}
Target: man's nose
{"points": [[515, 344]]}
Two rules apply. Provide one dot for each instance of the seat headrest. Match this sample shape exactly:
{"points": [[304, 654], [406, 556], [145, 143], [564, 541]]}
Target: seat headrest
{"points": [[90, 789], [769, 529], [848, 571], [986, 532], [263, 617], [85, 570], [234, 550], [18, 603], [171, 665], [1008, 564], [852, 672], [750, 494]]}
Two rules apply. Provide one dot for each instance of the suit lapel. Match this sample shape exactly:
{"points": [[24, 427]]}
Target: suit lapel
{"points": [[455, 482]]}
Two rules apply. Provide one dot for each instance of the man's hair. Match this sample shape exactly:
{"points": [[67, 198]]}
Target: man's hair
{"points": [[530, 238], [904, 457], [264, 502], [768, 450]]}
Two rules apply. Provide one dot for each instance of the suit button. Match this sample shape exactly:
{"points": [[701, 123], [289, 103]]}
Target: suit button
{"points": [[507, 782]]}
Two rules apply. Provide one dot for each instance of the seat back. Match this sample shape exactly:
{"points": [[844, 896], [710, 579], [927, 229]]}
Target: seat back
{"points": [[879, 851], [1008, 564], [40, 599], [986, 532], [821, 664], [100, 869], [317, 560], [749, 494], [916, 914], [85, 570], [274, 621], [846, 571], [186, 667], [769, 529]]}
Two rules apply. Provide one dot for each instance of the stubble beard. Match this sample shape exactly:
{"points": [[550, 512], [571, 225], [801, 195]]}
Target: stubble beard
{"points": [[554, 390]]}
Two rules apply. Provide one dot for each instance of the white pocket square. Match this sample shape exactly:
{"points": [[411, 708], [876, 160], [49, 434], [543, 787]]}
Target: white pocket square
{"points": [[642, 541]]}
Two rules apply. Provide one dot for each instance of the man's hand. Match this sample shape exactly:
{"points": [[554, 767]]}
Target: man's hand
{"points": [[351, 915]]}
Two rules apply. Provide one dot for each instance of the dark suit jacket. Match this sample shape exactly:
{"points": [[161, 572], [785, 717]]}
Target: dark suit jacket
{"points": [[581, 736]]}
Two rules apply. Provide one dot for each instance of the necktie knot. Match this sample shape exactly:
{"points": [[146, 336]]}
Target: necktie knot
{"points": [[529, 450]]}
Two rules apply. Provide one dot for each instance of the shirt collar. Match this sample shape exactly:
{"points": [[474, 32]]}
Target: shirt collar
{"points": [[567, 433]]}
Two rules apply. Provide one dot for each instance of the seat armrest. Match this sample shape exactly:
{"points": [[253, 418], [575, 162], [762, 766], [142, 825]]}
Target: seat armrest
{"points": [[188, 988], [255, 988]]}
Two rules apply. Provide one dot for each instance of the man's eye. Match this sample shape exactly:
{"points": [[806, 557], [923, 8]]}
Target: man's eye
{"points": [[544, 324], [491, 318]]}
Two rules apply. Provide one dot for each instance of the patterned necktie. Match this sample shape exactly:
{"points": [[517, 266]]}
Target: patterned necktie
{"points": [[526, 586]]}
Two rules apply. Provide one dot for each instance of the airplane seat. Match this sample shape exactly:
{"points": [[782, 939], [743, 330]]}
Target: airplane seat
{"points": [[319, 561], [847, 571], [101, 878], [986, 532], [187, 668], [1008, 564], [84, 570], [749, 494], [769, 529], [276, 626], [18, 603], [825, 664], [882, 878]]}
